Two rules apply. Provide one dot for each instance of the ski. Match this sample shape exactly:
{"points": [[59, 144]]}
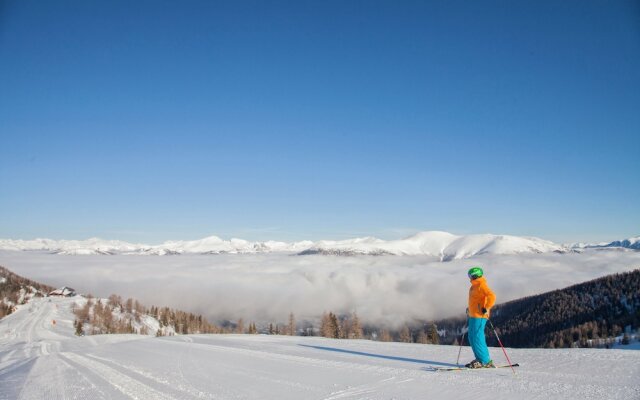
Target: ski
{"points": [[473, 369]]}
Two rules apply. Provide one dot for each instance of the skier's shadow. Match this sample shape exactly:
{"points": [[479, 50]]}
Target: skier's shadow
{"points": [[429, 363]]}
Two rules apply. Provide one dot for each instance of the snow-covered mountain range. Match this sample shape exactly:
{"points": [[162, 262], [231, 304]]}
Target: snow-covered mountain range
{"points": [[442, 245]]}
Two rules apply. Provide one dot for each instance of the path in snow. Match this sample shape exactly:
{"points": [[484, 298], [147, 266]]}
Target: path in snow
{"points": [[40, 360]]}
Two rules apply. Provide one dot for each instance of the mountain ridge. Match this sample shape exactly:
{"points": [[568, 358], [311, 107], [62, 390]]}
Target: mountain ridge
{"points": [[438, 244]]}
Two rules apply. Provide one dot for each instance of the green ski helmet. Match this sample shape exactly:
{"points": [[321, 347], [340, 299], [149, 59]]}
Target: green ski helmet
{"points": [[475, 272]]}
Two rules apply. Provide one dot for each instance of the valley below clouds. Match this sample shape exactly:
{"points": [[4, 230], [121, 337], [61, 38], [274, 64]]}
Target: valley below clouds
{"points": [[265, 288]]}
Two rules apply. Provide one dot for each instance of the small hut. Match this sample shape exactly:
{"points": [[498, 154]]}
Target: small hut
{"points": [[63, 292]]}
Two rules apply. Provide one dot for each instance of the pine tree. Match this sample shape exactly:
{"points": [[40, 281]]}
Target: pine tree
{"points": [[326, 329], [345, 327], [78, 324], [240, 326], [385, 336], [335, 326], [433, 336], [405, 335], [291, 328], [625, 339], [129, 305], [423, 339], [356, 328]]}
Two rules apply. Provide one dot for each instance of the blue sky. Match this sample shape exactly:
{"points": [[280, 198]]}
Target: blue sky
{"points": [[155, 120]]}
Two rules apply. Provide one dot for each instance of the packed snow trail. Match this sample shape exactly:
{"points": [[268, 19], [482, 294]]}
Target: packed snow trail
{"points": [[43, 360]]}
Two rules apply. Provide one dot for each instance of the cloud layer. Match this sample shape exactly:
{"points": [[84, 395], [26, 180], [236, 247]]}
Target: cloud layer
{"points": [[266, 287]]}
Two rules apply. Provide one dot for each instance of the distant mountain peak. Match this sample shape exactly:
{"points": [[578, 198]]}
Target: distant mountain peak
{"points": [[632, 243]]}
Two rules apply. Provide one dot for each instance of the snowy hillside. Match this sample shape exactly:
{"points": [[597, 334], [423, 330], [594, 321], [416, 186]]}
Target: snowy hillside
{"points": [[42, 359], [216, 245], [83, 247], [442, 245]]}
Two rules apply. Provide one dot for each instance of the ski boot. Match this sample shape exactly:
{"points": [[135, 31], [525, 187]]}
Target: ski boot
{"points": [[474, 364], [489, 365]]}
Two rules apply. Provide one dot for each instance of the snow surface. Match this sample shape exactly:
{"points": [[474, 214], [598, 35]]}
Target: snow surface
{"points": [[40, 360]]}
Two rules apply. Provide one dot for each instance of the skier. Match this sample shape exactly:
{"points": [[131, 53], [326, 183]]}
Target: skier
{"points": [[481, 299]]}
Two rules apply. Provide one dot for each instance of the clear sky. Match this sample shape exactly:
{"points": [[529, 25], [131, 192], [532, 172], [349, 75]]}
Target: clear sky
{"points": [[155, 120]]}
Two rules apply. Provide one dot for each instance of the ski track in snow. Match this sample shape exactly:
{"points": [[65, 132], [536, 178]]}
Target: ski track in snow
{"points": [[43, 360], [126, 384]]}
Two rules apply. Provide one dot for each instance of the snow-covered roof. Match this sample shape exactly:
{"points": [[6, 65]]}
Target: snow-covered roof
{"points": [[63, 291]]}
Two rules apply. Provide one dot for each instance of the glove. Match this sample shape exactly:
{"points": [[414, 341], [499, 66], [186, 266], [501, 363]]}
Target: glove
{"points": [[484, 310]]}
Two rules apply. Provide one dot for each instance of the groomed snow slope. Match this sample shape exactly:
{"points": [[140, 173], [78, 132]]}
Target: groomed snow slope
{"points": [[40, 360]]}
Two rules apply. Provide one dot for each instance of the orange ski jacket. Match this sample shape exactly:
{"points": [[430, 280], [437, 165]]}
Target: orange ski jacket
{"points": [[480, 296]]}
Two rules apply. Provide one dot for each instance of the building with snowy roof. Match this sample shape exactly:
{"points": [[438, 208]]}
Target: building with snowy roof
{"points": [[64, 291]]}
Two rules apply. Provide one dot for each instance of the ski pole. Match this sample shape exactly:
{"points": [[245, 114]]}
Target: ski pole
{"points": [[503, 350], [461, 343], [463, 333]]}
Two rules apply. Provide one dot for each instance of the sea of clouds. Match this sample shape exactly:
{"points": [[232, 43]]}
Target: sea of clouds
{"points": [[265, 288]]}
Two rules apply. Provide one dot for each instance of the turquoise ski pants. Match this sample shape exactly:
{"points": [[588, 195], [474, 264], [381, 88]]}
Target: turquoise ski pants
{"points": [[477, 339]]}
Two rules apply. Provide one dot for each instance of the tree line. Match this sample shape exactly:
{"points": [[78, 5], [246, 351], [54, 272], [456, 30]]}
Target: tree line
{"points": [[113, 315], [15, 290]]}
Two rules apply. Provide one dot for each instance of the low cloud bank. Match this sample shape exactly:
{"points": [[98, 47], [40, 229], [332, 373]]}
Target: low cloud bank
{"points": [[265, 288]]}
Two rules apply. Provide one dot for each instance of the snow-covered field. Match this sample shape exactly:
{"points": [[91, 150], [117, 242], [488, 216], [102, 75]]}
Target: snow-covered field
{"points": [[43, 360]]}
